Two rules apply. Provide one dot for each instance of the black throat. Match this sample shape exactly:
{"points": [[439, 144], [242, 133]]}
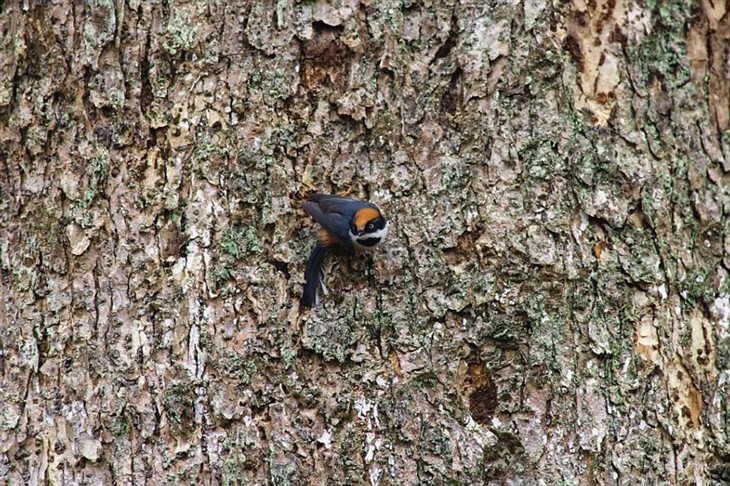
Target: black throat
{"points": [[368, 242]]}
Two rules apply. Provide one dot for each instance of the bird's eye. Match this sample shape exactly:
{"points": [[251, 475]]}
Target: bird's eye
{"points": [[370, 226]]}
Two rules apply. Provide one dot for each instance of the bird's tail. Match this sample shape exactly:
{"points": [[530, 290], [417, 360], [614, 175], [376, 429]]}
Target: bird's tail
{"points": [[313, 274]]}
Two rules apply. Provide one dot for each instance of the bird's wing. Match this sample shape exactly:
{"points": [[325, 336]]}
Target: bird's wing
{"points": [[329, 203], [336, 223]]}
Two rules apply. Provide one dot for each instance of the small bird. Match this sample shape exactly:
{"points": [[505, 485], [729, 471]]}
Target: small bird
{"points": [[348, 223]]}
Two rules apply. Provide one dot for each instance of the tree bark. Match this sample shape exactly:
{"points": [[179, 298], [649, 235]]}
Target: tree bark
{"points": [[552, 305]]}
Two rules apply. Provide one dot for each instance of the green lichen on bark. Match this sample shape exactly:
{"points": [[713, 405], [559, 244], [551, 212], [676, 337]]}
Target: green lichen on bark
{"points": [[551, 304]]}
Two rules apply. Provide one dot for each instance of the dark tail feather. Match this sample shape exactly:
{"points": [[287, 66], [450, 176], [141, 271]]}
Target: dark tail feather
{"points": [[312, 274]]}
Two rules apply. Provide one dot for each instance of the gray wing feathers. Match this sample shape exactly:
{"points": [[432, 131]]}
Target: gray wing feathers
{"points": [[334, 222], [337, 204]]}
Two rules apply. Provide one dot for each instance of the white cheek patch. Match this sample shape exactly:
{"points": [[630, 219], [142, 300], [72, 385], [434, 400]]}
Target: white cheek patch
{"points": [[366, 241], [381, 233]]}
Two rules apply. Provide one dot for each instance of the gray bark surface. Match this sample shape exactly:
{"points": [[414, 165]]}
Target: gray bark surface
{"points": [[552, 305]]}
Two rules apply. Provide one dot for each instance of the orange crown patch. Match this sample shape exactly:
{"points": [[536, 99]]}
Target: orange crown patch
{"points": [[364, 215]]}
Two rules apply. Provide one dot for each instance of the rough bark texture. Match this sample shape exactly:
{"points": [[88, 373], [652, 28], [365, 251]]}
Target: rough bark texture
{"points": [[553, 304]]}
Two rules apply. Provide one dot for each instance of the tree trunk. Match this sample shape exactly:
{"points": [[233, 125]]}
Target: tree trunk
{"points": [[552, 305]]}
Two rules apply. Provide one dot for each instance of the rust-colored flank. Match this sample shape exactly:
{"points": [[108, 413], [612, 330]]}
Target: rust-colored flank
{"points": [[326, 238]]}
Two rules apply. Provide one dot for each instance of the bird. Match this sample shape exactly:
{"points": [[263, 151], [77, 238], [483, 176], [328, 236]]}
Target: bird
{"points": [[347, 223]]}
